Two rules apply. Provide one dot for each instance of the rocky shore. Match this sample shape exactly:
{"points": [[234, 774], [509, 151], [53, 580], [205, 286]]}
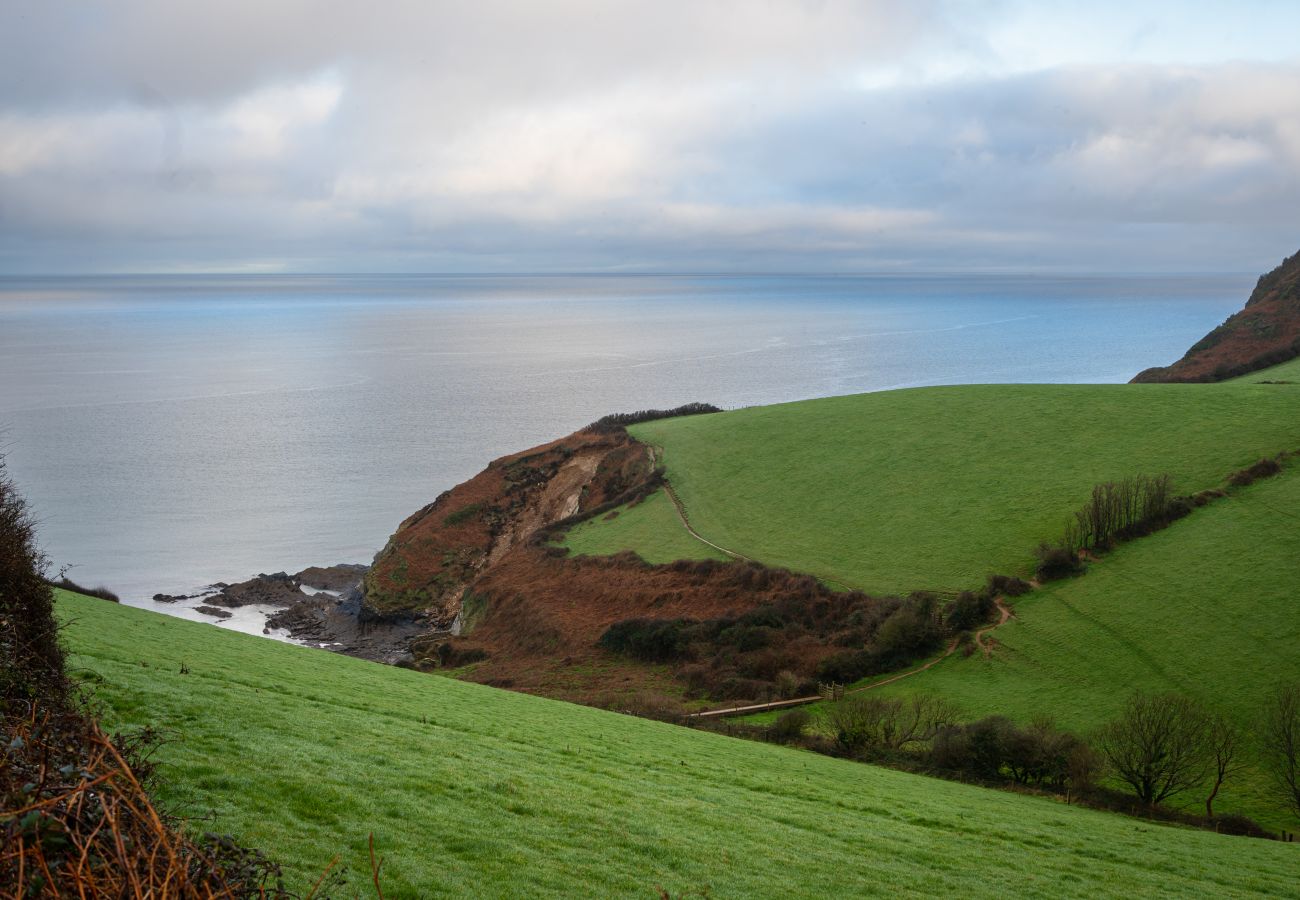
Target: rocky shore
{"points": [[320, 606]]}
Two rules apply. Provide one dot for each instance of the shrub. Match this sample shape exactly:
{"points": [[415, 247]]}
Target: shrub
{"points": [[863, 722], [1265, 468], [31, 660], [969, 610], [911, 630], [1056, 562], [101, 592], [651, 640], [618, 421], [1008, 584], [790, 726], [464, 514]]}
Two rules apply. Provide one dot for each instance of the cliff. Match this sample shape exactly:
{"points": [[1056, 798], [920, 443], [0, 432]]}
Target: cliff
{"points": [[1266, 332]]}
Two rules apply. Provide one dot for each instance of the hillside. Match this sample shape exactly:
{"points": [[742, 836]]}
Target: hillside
{"points": [[934, 488], [1265, 332], [842, 504], [1205, 607], [471, 791]]}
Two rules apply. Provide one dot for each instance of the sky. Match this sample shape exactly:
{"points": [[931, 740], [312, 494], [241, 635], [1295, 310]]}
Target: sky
{"points": [[659, 136]]}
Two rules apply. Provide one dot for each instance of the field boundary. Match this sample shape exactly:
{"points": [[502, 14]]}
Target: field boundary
{"points": [[1004, 615]]}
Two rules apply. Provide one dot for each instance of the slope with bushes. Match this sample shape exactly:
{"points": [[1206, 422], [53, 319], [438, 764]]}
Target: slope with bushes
{"points": [[1205, 608], [470, 791]]}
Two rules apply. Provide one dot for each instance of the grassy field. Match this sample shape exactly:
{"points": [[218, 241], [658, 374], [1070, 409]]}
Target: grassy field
{"points": [[472, 791], [934, 488], [1206, 607], [652, 528]]}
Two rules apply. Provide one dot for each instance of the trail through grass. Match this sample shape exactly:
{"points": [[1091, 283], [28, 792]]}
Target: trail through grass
{"points": [[651, 528], [472, 791]]}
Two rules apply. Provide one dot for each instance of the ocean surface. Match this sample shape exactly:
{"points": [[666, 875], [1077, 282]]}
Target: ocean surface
{"points": [[170, 432]]}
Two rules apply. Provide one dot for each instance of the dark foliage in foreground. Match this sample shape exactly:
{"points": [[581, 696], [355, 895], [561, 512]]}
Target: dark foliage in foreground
{"points": [[76, 819], [31, 660]]}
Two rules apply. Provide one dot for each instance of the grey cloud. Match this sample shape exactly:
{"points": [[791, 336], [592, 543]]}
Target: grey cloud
{"points": [[570, 135]]}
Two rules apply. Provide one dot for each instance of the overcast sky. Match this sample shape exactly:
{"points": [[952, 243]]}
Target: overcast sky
{"points": [[575, 135]]}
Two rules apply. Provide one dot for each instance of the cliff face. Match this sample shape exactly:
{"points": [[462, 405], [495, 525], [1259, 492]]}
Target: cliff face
{"points": [[1264, 333], [436, 553]]}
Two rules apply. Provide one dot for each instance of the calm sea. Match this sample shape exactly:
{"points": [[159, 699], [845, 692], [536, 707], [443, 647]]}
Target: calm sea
{"points": [[174, 431]]}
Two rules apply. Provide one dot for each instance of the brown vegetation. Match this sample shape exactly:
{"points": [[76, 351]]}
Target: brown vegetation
{"points": [[75, 815], [436, 553], [1266, 332]]}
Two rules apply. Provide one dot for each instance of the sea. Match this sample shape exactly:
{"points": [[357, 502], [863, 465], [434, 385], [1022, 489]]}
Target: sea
{"points": [[174, 431]]}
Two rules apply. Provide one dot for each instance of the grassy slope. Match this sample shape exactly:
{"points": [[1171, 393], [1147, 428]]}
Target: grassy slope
{"points": [[936, 487], [651, 528], [1287, 371], [474, 791], [1206, 607]]}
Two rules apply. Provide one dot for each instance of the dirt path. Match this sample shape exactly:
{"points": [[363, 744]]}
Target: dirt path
{"points": [[1004, 615], [681, 514]]}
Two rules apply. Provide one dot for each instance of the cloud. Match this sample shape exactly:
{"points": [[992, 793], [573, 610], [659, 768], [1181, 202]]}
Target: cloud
{"points": [[570, 135]]}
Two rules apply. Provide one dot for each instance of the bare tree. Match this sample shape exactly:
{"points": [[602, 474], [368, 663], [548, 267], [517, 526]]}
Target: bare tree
{"points": [[1280, 743], [1158, 746], [1223, 741]]}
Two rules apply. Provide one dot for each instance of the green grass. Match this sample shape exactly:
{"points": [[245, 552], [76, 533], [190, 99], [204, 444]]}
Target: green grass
{"points": [[1206, 607], [1287, 371], [472, 791], [652, 529], [935, 488]]}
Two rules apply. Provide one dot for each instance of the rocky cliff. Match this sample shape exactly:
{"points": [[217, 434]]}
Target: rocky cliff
{"points": [[1264, 333]]}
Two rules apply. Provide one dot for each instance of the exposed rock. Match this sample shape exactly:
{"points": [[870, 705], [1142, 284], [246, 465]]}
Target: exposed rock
{"points": [[333, 578], [342, 625], [1266, 332], [214, 611], [436, 553], [278, 589]]}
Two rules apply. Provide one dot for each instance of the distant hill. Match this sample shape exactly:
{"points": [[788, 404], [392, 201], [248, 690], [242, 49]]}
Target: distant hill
{"points": [[1264, 333]]}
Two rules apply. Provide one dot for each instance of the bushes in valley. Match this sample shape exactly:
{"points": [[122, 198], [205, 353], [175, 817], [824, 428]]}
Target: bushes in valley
{"points": [[780, 649], [618, 421], [865, 722], [1038, 755]]}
